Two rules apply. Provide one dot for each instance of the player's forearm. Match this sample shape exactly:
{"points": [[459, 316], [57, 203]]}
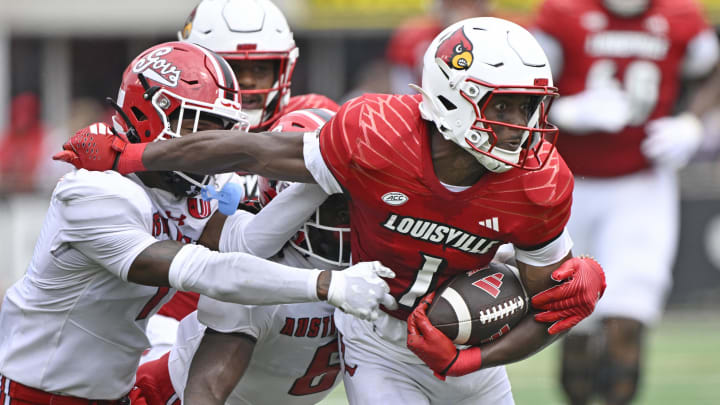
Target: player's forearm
{"points": [[217, 366], [208, 152], [200, 396], [241, 278], [525, 339], [273, 155]]}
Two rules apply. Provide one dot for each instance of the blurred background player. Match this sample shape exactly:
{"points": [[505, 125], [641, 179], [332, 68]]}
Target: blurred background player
{"points": [[619, 65], [410, 40], [112, 246], [253, 36], [265, 354], [470, 146]]}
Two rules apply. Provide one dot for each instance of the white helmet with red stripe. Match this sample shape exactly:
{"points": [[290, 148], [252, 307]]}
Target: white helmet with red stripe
{"points": [[248, 30], [326, 234], [172, 82], [465, 66]]}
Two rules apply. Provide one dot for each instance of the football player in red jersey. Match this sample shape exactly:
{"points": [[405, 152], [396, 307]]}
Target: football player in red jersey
{"points": [[255, 39], [619, 65], [424, 174]]}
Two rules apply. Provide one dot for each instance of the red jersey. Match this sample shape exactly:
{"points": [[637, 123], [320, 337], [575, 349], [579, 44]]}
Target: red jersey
{"points": [[378, 148], [645, 54], [184, 302]]}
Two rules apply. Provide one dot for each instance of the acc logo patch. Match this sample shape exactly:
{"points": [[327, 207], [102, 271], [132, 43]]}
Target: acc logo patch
{"points": [[153, 67], [456, 51], [395, 198]]}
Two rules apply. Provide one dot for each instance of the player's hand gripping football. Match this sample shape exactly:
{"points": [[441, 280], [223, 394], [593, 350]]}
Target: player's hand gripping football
{"points": [[436, 349], [582, 284], [97, 147], [359, 290]]}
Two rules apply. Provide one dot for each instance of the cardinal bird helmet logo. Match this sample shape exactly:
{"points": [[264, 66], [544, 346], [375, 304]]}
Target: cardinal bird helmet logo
{"points": [[456, 51]]}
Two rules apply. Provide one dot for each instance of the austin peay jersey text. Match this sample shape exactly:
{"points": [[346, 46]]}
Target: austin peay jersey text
{"points": [[377, 147], [295, 359], [644, 54]]}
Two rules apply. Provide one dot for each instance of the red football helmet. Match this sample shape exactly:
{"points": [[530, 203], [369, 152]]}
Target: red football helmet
{"points": [[171, 82], [326, 234]]}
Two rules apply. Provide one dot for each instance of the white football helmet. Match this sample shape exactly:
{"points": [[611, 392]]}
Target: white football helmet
{"points": [[627, 8], [248, 30], [468, 63]]}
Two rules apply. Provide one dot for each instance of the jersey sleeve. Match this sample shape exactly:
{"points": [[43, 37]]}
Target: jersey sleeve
{"points": [[692, 28], [225, 317], [549, 195], [105, 216], [329, 152]]}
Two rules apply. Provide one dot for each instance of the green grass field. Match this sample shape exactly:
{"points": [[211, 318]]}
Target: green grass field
{"points": [[682, 367]]}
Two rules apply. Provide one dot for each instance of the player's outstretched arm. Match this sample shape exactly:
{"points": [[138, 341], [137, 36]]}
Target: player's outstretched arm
{"points": [[276, 155], [218, 365], [245, 279]]}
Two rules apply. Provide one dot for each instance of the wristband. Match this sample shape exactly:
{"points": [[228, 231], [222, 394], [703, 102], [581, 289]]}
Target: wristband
{"points": [[130, 160]]}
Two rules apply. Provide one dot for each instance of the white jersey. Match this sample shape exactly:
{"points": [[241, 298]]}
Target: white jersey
{"points": [[295, 360], [249, 182], [74, 325]]}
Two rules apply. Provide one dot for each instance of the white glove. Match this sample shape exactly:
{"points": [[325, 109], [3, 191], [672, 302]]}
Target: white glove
{"points": [[359, 290], [672, 141], [605, 109]]}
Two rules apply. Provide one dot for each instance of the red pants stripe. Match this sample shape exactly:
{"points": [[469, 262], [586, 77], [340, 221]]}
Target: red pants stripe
{"points": [[14, 393]]}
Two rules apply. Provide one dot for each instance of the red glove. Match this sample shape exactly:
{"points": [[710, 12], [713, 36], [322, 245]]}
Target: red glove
{"points": [[97, 148], [583, 283], [436, 349]]}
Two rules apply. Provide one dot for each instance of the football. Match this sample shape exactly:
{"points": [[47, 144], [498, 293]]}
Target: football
{"points": [[480, 305]]}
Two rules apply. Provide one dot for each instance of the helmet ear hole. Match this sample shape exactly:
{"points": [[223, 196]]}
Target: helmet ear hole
{"points": [[447, 103], [139, 115]]}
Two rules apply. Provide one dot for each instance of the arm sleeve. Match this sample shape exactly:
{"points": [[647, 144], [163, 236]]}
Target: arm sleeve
{"points": [[265, 233], [549, 254], [105, 218], [240, 277], [225, 317]]}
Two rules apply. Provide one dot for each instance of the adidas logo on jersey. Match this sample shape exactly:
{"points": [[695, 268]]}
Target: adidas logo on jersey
{"points": [[490, 223]]}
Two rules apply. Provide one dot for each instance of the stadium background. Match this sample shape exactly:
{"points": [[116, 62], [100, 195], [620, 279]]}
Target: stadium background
{"points": [[71, 54]]}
